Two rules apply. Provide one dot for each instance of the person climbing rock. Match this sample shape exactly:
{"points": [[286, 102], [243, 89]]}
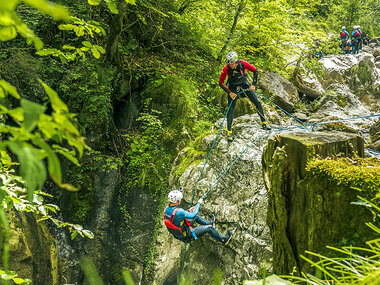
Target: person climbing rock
{"points": [[355, 40], [179, 222], [344, 36], [235, 70]]}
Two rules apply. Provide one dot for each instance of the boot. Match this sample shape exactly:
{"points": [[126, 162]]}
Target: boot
{"points": [[265, 126], [228, 237], [229, 136]]}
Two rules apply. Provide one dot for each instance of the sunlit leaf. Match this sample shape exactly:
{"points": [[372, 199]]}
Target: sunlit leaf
{"points": [[130, 2], [88, 234], [32, 112], [93, 2], [95, 52], [56, 103], [112, 6], [87, 44], [7, 33], [58, 12], [54, 165], [8, 88], [32, 169]]}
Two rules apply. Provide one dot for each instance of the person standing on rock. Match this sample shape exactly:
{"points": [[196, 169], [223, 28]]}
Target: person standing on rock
{"points": [[235, 70], [366, 40], [179, 222], [355, 40], [360, 40], [344, 36]]}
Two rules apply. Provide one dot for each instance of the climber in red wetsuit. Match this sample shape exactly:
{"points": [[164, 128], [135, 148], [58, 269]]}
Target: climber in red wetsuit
{"points": [[235, 70]]}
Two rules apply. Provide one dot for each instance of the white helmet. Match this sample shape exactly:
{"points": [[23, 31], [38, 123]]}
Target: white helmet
{"points": [[355, 27], [231, 57], [358, 27], [343, 28], [174, 196]]}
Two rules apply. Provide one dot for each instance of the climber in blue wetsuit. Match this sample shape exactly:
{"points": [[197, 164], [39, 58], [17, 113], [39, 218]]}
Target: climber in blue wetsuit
{"points": [[179, 222], [344, 36]]}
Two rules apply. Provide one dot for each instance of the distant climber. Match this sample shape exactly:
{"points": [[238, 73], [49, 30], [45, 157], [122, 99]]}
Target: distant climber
{"points": [[316, 51], [179, 222], [366, 40], [344, 36], [348, 47], [360, 38], [235, 70], [355, 40]]}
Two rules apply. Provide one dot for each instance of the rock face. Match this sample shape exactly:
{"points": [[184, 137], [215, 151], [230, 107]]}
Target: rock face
{"points": [[239, 201], [358, 72], [286, 95], [304, 212], [32, 250]]}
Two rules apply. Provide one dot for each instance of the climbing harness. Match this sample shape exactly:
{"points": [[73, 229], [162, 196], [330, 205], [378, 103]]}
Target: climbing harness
{"points": [[182, 232]]}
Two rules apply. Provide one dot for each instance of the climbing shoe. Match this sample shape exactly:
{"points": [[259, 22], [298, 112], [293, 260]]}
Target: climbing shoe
{"points": [[228, 237], [212, 221], [229, 136], [265, 126]]}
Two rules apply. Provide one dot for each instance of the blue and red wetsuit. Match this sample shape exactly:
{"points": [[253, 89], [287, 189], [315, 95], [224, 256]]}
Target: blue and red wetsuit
{"points": [[192, 217], [237, 81]]}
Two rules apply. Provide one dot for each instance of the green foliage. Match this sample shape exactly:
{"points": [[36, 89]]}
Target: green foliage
{"points": [[148, 163], [351, 265], [11, 24], [71, 53], [361, 173], [87, 87], [177, 100], [12, 275]]}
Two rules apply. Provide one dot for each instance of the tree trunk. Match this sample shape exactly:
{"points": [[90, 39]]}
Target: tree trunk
{"points": [[232, 30], [116, 28]]}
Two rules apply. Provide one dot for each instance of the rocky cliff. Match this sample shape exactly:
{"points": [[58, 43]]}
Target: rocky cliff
{"points": [[307, 211]]}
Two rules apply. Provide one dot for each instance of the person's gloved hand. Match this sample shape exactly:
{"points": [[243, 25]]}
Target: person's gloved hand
{"points": [[200, 201], [233, 95]]}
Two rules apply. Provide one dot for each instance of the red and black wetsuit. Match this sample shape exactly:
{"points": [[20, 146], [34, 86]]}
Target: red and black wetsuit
{"points": [[238, 81]]}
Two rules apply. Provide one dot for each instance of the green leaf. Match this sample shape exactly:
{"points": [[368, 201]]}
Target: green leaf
{"points": [[58, 12], [68, 47], [9, 89], [56, 103], [100, 49], [32, 169], [7, 33], [17, 114], [95, 52], [88, 234], [87, 44], [54, 165], [32, 112], [130, 2], [112, 6], [70, 155], [93, 2], [18, 280], [74, 234]]}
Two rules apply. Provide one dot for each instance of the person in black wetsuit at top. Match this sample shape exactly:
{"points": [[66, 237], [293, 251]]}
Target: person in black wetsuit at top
{"points": [[235, 70]]}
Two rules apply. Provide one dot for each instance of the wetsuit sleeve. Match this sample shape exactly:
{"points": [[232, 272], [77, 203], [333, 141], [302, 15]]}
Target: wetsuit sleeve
{"points": [[222, 78], [250, 67], [182, 214]]}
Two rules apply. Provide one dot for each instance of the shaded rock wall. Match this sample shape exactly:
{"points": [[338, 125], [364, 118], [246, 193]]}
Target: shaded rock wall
{"points": [[33, 252], [305, 212]]}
